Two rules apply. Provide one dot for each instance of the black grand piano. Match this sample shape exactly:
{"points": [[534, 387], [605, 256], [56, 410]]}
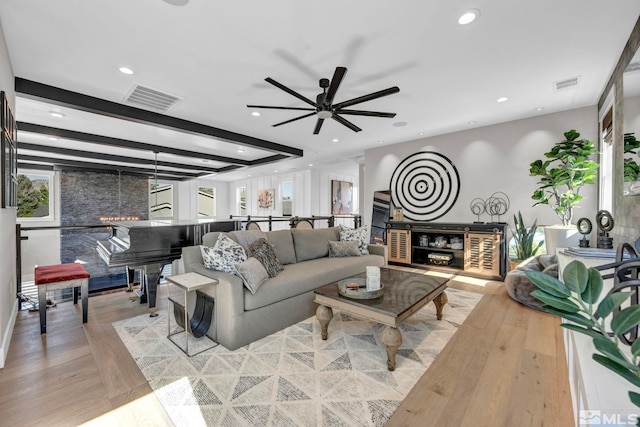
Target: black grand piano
{"points": [[150, 245]]}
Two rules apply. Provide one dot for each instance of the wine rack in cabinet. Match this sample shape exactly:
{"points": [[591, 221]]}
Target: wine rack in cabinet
{"points": [[470, 249]]}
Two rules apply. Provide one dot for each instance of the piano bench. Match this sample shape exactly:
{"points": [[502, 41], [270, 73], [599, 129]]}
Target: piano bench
{"points": [[61, 276]]}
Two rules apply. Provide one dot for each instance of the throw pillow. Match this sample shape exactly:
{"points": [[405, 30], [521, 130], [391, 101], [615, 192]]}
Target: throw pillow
{"points": [[263, 251], [224, 255], [343, 249], [359, 234], [252, 273]]}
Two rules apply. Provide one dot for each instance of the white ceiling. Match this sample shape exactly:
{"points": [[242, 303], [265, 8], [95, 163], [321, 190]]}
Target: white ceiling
{"points": [[216, 55]]}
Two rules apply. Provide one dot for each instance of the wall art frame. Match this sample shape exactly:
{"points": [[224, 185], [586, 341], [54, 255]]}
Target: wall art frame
{"points": [[9, 154], [341, 197], [267, 198]]}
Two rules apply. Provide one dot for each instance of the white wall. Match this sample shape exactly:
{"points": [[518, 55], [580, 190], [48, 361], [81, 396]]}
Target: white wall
{"points": [[8, 289], [489, 159]]}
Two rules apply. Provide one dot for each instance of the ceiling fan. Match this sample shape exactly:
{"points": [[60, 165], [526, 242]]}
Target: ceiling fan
{"points": [[324, 108]]}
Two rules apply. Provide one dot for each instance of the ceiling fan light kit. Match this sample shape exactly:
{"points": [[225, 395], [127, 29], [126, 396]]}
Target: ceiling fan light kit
{"points": [[324, 108]]}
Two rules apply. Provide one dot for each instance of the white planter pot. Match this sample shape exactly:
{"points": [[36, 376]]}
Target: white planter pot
{"points": [[558, 236]]}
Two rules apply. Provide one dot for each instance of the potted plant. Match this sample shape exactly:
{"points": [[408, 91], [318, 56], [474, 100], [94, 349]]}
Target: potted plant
{"points": [[568, 167], [575, 300], [523, 237]]}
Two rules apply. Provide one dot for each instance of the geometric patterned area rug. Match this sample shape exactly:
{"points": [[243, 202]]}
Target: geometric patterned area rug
{"points": [[293, 377]]}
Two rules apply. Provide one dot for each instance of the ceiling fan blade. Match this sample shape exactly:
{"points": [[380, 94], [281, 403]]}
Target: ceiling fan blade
{"points": [[338, 75], [364, 98], [294, 119], [281, 108], [290, 91], [318, 126], [367, 113], [345, 122]]}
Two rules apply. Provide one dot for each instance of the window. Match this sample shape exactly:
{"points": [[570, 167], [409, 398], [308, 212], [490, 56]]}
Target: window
{"points": [[160, 200], [35, 195], [241, 200], [287, 198], [206, 202], [606, 162]]}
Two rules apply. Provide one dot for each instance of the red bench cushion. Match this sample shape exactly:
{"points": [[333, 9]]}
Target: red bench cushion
{"points": [[59, 273]]}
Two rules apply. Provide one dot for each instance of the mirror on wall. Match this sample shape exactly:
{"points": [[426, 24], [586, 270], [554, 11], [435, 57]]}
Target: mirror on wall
{"points": [[631, 114]]}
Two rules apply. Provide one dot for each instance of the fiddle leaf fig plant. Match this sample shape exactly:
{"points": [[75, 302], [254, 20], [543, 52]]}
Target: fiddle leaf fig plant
{"points": [[567, 168], [631, 167], [575, 301]]}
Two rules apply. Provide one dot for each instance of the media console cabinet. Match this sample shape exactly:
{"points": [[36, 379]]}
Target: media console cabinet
{"points": [[464, 248]]}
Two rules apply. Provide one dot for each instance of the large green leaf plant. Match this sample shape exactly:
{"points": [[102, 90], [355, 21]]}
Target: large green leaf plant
{"points": [[567, 169], [575, 301]]}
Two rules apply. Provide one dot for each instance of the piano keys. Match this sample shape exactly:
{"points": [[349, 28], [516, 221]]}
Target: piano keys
{"points": [[150, 245]]}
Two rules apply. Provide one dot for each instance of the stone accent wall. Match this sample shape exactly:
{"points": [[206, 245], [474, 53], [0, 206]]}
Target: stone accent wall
{"points": [[85, 198], [626, 208]]}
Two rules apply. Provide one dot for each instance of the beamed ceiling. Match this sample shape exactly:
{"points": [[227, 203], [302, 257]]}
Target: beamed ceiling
{"points": [[206, 61]]}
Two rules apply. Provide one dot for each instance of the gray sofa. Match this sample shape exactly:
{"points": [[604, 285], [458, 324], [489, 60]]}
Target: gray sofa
{"points": [[241, 317]]}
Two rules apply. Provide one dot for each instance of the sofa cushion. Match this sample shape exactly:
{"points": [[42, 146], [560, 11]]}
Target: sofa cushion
{"points": [[339, 249], [283, 245], [304, 277], [210, 239], [359, 234], [263, 251], [312, 244], [252, 273], [224, 255], [247, 237]]}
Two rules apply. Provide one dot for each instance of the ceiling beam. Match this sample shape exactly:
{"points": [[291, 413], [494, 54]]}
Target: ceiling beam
{"points": [[113, 157], [78, 101], [122, 143], [75, 165]]}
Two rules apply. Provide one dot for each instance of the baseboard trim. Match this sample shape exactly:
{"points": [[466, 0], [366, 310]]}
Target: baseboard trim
{"points": [[8, 333]]}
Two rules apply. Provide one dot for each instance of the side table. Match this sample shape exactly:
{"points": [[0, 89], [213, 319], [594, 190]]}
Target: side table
{"points": [[188, 282]]}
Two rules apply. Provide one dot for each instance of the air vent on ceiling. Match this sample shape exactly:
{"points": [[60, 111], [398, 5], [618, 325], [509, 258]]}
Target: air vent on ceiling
{"points": [[150, 98], [634, 66], [565, 84]]}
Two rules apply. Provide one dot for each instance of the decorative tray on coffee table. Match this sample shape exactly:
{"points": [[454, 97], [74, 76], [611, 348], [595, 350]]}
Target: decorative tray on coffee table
{"points": [[347, 288]]}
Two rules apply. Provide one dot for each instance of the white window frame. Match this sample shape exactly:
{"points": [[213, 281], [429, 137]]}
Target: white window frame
{"points": [[152, 201], [200, 199], [282, 197], [52, 191]]}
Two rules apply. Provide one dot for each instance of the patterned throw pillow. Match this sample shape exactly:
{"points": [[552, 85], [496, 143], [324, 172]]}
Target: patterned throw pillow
{"points": [[359, 234], [224, 255], [263, 251], [252, 273], [343, 249]]}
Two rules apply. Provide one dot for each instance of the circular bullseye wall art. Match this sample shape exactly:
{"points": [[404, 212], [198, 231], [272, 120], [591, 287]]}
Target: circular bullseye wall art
{"points": [[425, 185]]}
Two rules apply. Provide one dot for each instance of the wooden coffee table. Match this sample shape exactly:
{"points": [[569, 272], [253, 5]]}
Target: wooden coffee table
{"points": [[405, 293]]}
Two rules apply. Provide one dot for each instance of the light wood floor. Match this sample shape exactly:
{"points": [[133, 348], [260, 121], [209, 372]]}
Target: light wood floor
{"points": [[504, 367]]}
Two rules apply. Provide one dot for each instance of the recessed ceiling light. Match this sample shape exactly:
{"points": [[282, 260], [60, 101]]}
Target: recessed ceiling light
{"points": [[335, 140], [380, 142], [255, 114], [539, 108], [421, 133], [310, 164], [177, 2], [125, 70], [249, 175], [472, 122], [56, 114], [502, 99], [275, 171], [53, 138], [240, 150], [468, 16]]}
